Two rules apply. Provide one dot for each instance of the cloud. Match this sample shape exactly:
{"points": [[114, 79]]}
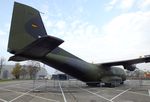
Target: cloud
{"points": [[144, 4], [126, 5], [61, 25], [4, 32], [128, 34], [125, 36], [77, 35], [111, 5], [3, 37], [119, 4]]}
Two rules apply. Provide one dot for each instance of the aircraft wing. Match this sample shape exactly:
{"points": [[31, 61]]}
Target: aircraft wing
{"points": [[127, 64]]}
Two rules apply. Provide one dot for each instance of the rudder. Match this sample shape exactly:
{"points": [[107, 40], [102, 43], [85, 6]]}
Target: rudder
{"points": [[26, 27]]}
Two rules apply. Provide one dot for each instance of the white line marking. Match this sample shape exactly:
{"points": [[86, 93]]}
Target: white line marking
{"points": [[62, 92], [99, 91], [149, 92], [120, 94], [136, 93], [31, 95], [3, 100], [9, 85], [18, 87], [25, 93], [44, 98], [20, 83], [14, 85], [96, 95]]}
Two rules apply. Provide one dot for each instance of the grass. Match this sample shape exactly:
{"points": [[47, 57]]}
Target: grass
{"points": [[4, 80]]}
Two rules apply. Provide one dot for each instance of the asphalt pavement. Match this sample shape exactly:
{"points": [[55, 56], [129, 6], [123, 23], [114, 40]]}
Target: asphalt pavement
{"points": [[72, 91]]}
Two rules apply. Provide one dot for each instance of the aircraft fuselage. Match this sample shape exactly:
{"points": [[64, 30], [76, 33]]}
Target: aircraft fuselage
{"points": [[84, 71], [28, 40]]}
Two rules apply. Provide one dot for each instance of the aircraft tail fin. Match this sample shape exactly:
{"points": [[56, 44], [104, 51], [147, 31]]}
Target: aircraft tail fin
{"points": [[28, 34], [26, 26]]}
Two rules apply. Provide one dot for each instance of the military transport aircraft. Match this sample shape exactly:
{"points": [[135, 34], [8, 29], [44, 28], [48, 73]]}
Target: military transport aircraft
{"points": [[28, 40]]}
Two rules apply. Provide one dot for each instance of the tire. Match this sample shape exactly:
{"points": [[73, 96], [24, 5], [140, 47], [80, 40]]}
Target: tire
{"points": [[92, 84], [122, 83], [108, 85]]}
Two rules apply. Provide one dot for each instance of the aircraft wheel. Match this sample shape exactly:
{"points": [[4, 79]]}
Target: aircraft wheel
{"points": [[108, 84], [122, 83], [113, 84], [93, 84]]}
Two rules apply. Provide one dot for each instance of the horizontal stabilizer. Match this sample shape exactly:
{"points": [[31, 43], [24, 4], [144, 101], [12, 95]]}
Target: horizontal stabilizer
{"points": [[40, 47], [17, 58]]}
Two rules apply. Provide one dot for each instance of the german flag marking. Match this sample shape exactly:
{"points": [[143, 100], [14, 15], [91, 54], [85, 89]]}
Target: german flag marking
{"points": [[34, 25]]}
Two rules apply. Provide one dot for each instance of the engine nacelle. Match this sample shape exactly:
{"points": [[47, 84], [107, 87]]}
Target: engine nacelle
{"points": [[129, 67]]}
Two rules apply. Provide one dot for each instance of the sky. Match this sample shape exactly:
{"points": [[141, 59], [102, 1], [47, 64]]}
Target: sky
{"points": [[94, 30]]}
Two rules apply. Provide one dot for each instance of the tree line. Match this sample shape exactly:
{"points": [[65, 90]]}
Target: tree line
{"points": [[22, 71]]}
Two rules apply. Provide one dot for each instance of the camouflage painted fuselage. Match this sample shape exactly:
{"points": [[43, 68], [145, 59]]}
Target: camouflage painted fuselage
{"points": [[28, 40], [84, 71]]}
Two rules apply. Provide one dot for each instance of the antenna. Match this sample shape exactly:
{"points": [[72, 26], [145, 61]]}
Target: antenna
{"points": [[42, 12]]}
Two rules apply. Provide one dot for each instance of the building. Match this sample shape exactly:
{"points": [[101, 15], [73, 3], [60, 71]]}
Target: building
{"points": [[6, 72]]}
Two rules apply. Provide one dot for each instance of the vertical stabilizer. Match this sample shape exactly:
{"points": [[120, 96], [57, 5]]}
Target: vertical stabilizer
{"points": [[26, 27]]}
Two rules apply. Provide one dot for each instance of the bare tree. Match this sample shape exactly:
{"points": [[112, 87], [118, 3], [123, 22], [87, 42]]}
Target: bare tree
{"points": [[2, 63], [33, 68], [23, 72]]}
